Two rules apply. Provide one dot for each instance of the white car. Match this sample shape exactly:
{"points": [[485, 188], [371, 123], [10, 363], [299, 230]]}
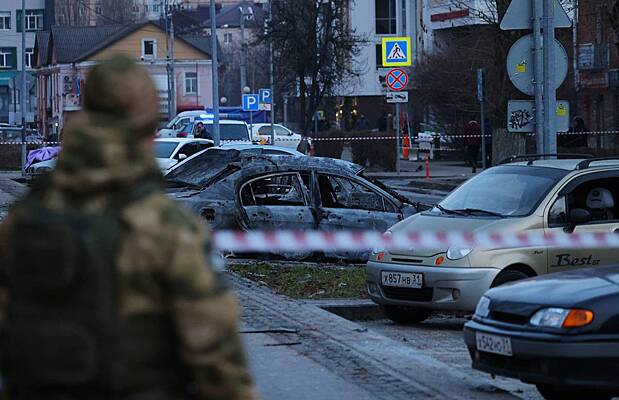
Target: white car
{"points": [[42, 167], [182, 119], [170, 151], [244, 147], [229, 131], [261, 133]]}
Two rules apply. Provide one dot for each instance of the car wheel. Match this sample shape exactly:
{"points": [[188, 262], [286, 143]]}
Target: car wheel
{"points": [[552, 392], [508, 276], [405, 315]]}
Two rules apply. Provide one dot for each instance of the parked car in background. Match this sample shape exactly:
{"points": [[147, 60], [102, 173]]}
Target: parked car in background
{"points": [[230, 189], [229, 131], [559, 332], [178, 122], [527, 195], [169, 152], [41, 167], [261, 133]]}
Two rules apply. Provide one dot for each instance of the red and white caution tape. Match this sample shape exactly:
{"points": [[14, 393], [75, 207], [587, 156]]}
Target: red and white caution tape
{"points": [[300, 241]]}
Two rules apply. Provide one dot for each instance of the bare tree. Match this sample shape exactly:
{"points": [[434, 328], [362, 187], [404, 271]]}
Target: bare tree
{"points": [[116, 12], [315, 47], [446, 78], [72, 12]]}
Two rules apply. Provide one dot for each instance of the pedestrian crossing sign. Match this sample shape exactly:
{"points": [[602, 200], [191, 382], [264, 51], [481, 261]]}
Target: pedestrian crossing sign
{"points": [[397, 52]]}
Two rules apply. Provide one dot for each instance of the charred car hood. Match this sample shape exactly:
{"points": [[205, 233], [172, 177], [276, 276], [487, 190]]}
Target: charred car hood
{"points": [[580, 288]]}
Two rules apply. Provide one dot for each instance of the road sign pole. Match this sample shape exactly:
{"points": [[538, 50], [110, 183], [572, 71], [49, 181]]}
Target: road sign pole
{"points": [[550, 91], [539, 70], [215, 76], [397, 138], [480, 98]]}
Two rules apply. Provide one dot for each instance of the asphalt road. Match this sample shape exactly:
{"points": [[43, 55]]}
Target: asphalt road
{"points": [[440, 337]]}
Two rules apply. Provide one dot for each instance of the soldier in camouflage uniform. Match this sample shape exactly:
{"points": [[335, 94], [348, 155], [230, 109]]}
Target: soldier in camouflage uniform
{"points": [[106, 287]]}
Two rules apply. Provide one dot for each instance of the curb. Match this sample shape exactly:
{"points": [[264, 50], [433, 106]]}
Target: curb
{"points": [[350, 309]]}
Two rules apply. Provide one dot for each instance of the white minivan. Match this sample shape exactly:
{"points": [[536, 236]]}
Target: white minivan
{"points": [[178, 122]]}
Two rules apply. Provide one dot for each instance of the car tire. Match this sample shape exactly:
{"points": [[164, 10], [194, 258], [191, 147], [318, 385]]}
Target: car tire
{"points": [[553, 392], [405, 315], [508, 276]]}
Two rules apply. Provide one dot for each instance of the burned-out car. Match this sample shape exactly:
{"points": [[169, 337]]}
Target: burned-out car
{"points": [[234, 190]]}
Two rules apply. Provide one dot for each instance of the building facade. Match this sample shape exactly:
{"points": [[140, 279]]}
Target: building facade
{"points": [[11, 60], [65, 55], [373, 20], [597, 66]]}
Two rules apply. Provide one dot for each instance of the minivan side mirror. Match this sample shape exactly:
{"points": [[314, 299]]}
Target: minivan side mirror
{"points": [[577, 216]]}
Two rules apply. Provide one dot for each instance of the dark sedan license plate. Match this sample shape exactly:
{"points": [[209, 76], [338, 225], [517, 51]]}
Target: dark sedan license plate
{"points": [[494, 344], [402, 279]]}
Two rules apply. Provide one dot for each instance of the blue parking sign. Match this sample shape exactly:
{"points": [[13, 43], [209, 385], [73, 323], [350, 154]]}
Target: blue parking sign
{"points": [[251, 102], [265, 96]]}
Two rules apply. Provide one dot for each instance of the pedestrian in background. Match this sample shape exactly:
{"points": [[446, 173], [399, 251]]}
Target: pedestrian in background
{"points": [[200, 131], [105, 286], [472, 143]]}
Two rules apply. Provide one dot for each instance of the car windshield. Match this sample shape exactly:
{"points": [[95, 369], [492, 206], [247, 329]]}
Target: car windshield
{"points": [[228, 131], [170, 124], [504, 191], [164, 149]]}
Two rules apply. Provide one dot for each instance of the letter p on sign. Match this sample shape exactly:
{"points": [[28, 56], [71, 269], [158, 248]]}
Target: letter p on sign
{"points": [[251, 102]]}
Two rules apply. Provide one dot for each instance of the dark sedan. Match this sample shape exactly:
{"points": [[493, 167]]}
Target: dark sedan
{"points": [[559, 332], [237, 190]]}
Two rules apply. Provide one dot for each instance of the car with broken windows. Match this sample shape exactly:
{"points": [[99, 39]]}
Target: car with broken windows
{"points": [[559, 332], [523, 194], [230, 189]]}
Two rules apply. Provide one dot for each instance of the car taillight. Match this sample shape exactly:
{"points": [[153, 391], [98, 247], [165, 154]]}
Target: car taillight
{"points": [[181, 134]]}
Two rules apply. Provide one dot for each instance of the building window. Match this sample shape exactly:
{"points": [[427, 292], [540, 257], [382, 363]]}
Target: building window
{"points": [[98, 10], [227, 38], [5, 21], [29, 57], [34, 20], [191, 83], [386, 21], [149, 49], [8, 57], [145, 7]]}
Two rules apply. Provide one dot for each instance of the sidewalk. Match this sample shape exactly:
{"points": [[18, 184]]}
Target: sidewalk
{"points": [[304, 352]]}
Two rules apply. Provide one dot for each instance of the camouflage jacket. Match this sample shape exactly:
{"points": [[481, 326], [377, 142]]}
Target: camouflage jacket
{"points": [[162, 247]]}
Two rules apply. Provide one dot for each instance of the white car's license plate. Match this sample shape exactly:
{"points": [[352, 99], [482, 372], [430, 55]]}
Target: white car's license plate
{"points": [[402, 279], [494, 344]]}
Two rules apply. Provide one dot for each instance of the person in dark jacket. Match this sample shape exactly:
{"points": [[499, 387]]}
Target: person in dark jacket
{"points": [[472, 143]]}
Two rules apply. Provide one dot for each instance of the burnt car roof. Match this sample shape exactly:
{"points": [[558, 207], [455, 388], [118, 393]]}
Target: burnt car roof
{"points": [[207, 167]]}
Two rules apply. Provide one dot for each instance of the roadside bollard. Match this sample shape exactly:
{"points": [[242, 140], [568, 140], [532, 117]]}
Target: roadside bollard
{"points": [[428, 174], [405, 147]]}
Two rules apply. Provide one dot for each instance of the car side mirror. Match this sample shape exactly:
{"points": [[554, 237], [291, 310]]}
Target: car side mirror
{"points": [[579, 216], [182, 156]]}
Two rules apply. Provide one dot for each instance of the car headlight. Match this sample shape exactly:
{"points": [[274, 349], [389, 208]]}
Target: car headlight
{"points": [[555, 317], [458, 252], [378, 253], [483, 307]]}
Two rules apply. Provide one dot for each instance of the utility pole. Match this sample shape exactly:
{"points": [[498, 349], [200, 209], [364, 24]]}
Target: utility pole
{"points": [[215, 78], [23, 87], [550, 91], [271, 75], [171, 114], [537, 8], [172, 76], [243, 51]]}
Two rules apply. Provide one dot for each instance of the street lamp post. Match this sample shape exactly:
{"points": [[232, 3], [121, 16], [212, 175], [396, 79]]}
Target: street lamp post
{"points": [[215, 78]]}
